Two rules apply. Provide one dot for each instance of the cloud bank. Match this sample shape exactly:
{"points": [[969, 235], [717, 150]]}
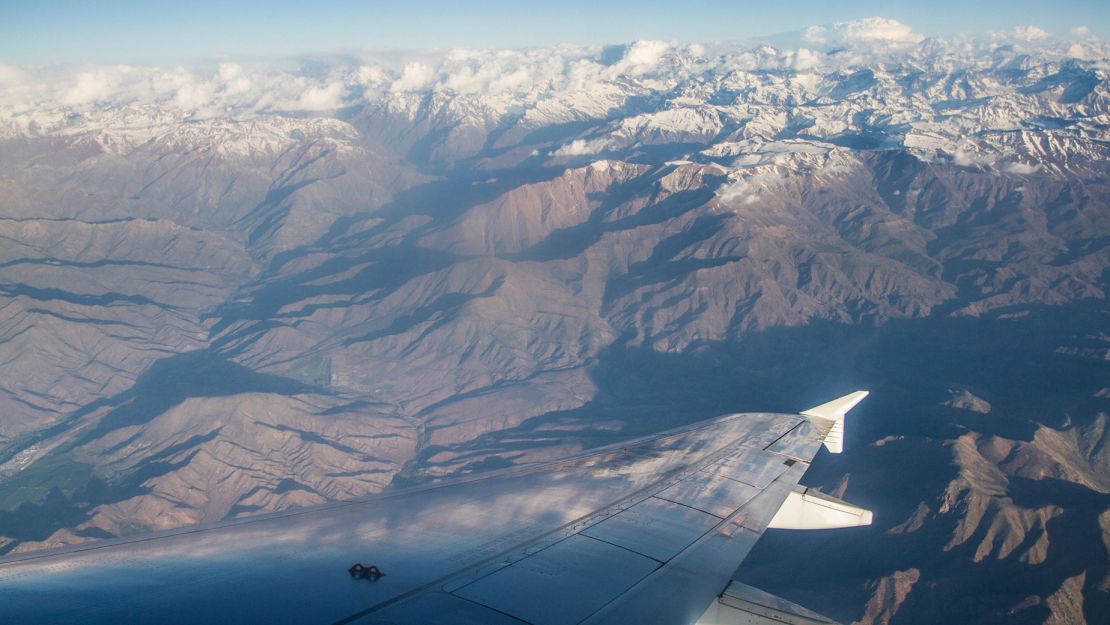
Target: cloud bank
{"points": [[538, 82], [864, 32]]}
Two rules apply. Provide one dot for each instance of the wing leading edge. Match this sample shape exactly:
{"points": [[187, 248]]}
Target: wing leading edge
{"points": [[646, 531]]}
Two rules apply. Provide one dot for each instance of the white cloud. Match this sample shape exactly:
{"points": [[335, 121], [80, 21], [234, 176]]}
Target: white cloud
{"points": [[229, 71], [805, 59], [324, 98], [414, 77], [91, 86], [970, 158], [1079, 51], [867, 31], [558, 84], [234, 79], [816, 34], [369, 76], [479, 72], [642, 56], [537, 83], [582, 147], [1030, 33], [747, 189], [1021, 169], [10, 75]]}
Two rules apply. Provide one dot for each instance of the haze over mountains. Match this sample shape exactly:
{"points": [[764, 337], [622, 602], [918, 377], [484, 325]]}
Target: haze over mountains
{"points": [[245, 288]]}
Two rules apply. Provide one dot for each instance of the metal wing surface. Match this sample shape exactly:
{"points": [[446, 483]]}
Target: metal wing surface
{"points": [[649, 531]]}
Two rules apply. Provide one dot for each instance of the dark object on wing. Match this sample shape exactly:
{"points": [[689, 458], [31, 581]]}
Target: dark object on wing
{"points": [[358, 571]]}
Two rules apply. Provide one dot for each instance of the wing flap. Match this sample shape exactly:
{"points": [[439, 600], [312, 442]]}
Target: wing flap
{"points": [[806, 509], [562, 584], [655, 528], [715, 494], [679, 591], [741, 604], [756, 468]]}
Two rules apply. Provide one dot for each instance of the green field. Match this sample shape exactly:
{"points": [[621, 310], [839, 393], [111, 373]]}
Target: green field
{"points": [[32, 484]]}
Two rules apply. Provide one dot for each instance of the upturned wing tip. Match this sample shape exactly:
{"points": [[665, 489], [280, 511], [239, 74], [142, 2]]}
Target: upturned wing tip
{"points": [[836, 409]]}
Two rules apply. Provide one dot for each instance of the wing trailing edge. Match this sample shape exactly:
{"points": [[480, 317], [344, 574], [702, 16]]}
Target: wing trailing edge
{"points": [[741, 604], [806, 509], [835, 411]]}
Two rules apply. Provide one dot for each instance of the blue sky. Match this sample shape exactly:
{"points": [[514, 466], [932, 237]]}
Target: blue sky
{"points": [[44, 31]]}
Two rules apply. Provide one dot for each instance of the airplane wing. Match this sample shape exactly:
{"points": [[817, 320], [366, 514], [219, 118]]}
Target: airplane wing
{"points": [[648, 531]]}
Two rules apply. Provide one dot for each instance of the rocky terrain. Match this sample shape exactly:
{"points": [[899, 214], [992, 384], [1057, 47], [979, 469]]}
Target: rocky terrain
{"points": [[242, 289]]}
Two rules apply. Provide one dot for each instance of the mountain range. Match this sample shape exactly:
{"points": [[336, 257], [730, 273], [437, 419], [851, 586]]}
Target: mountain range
{"points": [[242, 288]]}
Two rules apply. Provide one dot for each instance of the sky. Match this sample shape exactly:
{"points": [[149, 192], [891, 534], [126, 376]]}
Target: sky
{"points": [[39, 32]]}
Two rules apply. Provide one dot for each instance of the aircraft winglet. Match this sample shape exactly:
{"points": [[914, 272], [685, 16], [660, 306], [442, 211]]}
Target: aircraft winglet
{"points": [[834, 411]]}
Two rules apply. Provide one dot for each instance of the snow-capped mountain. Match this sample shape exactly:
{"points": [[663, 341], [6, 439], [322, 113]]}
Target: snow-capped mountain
{"points": [[956, 100]]}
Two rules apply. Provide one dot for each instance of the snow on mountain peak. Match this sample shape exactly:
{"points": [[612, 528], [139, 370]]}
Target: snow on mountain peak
{"points": [[865, 84]]}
